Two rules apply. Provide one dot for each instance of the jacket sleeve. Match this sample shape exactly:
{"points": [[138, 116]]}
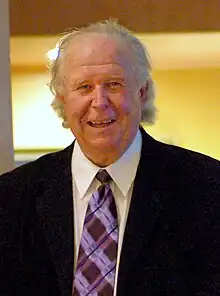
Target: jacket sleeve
{"points": [[12, 209]]}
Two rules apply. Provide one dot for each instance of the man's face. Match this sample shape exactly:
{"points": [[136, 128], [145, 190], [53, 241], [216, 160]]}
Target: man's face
{"points": [[102, 101]]}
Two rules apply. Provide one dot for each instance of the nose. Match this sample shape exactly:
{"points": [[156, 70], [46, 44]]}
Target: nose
{"points": [[100, 97]]}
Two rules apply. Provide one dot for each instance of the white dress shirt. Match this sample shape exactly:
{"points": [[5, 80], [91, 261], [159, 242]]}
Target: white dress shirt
{"points": [[122, 172]]}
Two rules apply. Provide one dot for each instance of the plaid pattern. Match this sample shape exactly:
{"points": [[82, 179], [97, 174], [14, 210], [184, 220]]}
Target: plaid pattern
{"points": [[96, 265]]}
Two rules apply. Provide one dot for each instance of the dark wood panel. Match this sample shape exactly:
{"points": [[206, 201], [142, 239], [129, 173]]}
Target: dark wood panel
{"points": [[55, 16]]}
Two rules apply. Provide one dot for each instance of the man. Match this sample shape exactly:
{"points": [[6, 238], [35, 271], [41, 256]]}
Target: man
{"points": [[117, 212]]}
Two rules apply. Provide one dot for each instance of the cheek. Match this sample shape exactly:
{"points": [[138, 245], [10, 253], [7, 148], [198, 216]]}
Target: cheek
{"points": [[129, 103], [76, 108], [121, 102], [70, 111]]}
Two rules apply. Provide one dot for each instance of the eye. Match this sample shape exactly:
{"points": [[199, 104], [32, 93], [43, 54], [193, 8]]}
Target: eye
{"points": [[84, 87], [114, 85]]}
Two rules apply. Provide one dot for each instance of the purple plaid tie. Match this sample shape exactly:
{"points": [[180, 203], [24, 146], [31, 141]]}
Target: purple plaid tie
{"points": [[96, 265]]}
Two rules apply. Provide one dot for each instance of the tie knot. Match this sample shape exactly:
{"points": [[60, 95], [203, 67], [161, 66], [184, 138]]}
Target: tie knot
{"points": [[103, 176]]}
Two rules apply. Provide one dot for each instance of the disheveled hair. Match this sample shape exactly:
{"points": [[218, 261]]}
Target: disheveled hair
{"points": [[142, 65]]}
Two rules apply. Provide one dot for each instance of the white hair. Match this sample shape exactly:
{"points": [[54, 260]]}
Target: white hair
{"points": [[141, 60]]}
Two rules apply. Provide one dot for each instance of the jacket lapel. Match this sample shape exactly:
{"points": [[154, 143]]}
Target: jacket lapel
{"points": [[55, 212], [148, 200]]}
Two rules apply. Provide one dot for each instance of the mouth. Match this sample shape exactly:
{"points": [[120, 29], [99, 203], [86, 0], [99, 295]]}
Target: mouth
{"points": [[101, 123]]}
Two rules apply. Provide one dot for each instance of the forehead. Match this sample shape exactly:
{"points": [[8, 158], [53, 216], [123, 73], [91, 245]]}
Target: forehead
{"points": [[97, 52]]}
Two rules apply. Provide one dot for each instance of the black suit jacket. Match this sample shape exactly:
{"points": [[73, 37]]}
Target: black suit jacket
{"points": [[172, 239]]}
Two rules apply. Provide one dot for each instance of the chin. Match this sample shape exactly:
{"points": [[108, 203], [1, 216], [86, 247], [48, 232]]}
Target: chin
{"points": [[104, 144]]}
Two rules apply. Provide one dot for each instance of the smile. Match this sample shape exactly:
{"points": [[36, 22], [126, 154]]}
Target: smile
{"points": [[102, 123]]}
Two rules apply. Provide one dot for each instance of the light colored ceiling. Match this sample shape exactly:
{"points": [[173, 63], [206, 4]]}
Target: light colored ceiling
{"points": [[168, 51]]}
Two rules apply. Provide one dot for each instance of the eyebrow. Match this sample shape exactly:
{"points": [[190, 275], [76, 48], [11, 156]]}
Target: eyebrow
{"points": [[76, 82], [115, 78]]}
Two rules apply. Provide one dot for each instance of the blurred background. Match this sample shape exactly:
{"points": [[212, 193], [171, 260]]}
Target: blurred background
{"points": [[182, 37]]}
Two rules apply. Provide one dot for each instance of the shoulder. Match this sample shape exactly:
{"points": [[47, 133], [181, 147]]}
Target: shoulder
{"points": [[190, 167], [174, 157], [179, 166], [20, 188], [21, 177], [188, 159]]}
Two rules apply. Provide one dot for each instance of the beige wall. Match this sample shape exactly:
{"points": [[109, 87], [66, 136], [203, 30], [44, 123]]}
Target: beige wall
{"points": [[188, 103], [6, 147], [189, 109], [35, 124]]}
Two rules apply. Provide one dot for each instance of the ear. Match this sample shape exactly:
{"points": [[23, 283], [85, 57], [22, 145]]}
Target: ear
{"points": [[143, 93]]}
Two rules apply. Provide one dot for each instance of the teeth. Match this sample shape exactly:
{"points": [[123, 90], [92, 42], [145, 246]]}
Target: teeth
{"points": [[100, 122]]}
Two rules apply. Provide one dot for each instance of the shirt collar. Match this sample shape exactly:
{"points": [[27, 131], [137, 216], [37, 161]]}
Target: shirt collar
{"points": [[84, 171]]}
